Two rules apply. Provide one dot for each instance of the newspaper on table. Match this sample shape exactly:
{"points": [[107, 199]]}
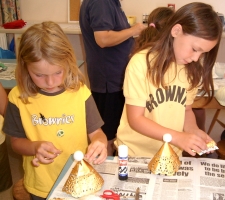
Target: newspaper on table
{"points": [[197, 178], [9, 73]]}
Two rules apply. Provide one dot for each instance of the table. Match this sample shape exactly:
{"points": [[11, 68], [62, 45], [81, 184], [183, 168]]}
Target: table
{"points": [[68, 28], [9, 84], [197, 178], [214, 104]]}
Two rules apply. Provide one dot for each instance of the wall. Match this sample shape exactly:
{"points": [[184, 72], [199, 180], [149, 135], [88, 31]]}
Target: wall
{"points": [[42, 10], [56, 10], [146, 6]]}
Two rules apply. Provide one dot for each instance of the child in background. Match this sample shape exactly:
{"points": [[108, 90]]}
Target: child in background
{"points": [[157, 20], [51, 113], [5, 172], [162, 79]]}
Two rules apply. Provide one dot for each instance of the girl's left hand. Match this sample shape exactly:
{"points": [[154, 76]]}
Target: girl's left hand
{"points": [[97, 152]]}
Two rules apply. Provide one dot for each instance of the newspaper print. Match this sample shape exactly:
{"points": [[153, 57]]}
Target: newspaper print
{"points": [[196, 179], [9, 73]]}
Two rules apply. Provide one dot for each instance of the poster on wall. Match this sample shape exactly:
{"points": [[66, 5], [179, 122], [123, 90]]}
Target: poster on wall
{"points": [[74, 10]]}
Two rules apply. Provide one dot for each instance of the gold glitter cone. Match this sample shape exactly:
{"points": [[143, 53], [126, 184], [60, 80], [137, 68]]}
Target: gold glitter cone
{"points": [[165, 160], [83, 180]]}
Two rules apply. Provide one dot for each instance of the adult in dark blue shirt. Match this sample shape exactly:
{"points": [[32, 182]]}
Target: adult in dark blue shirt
{"points": [[108, 40]]}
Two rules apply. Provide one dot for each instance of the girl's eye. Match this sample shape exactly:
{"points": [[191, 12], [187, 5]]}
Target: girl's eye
{"points": [[39, 75], [59, 72], [194, 50]]}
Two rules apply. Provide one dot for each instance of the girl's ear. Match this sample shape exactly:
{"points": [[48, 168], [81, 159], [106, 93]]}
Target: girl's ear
{"points": [[176, 30]]}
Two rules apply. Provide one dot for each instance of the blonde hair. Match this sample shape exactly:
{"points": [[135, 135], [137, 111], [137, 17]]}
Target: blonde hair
{"points": [[46, 41]]}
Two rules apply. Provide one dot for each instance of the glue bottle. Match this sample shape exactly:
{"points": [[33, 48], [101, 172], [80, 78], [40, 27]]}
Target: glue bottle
{"points": [[122, 161], [144, 18]]}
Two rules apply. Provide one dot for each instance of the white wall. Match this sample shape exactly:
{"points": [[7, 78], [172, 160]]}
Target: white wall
{"points": [[138, 7], [56, 10], [42, 10]]}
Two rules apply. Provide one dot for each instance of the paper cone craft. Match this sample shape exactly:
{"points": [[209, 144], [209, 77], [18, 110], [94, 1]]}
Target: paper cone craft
{"points": [[83, 179], [165, 160]]}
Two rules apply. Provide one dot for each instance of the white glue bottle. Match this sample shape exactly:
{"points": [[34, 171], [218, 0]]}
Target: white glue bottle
{"points": [[122, 161]]}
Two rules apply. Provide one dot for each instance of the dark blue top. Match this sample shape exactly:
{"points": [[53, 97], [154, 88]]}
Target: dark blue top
{"points": [[106, 66]]}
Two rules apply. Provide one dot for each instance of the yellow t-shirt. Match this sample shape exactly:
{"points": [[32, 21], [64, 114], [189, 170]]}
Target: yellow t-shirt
{"points": [[58, 118], [165, 107]]}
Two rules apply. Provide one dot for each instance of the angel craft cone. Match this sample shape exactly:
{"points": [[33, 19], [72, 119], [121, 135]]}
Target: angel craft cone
{"points": [[83, 179], [165, 161]]}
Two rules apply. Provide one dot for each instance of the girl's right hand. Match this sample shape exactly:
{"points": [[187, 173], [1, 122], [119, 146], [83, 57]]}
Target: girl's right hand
{"points": [[45, 152], [189, 142]]}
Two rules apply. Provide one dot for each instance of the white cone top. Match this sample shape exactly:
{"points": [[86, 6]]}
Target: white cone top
{"points": [[167, 137], [78, 155]]}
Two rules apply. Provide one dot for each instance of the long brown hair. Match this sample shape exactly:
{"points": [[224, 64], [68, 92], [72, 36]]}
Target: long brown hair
{"points": [[159, 17], [46, 41], [197, 19]]}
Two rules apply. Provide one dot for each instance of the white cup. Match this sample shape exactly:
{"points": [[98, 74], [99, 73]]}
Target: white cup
{"points": [[220, 70]]}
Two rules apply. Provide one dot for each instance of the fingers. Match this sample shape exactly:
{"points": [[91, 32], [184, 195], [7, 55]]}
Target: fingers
{"points": [[191, 143], [208, 139], [45, 153], [48, 150], [97, 153], [35, 162], [193, 150], [200, 146]]}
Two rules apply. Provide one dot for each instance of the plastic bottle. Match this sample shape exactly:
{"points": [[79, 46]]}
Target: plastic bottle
{"points": [[122, 161], [144, 18]]}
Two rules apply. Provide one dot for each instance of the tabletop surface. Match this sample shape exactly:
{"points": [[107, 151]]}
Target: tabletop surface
{"points": [[194, 177], [68, 28]]}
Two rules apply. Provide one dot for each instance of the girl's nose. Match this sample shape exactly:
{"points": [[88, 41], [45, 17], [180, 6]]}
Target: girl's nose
{"points": [[196, 56], [49, 80]]}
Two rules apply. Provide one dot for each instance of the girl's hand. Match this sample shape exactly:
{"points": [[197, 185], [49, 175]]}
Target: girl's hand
{"points": [[194, 138], [204, 136], [45, 152], [189, 142], [97, 152]]}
